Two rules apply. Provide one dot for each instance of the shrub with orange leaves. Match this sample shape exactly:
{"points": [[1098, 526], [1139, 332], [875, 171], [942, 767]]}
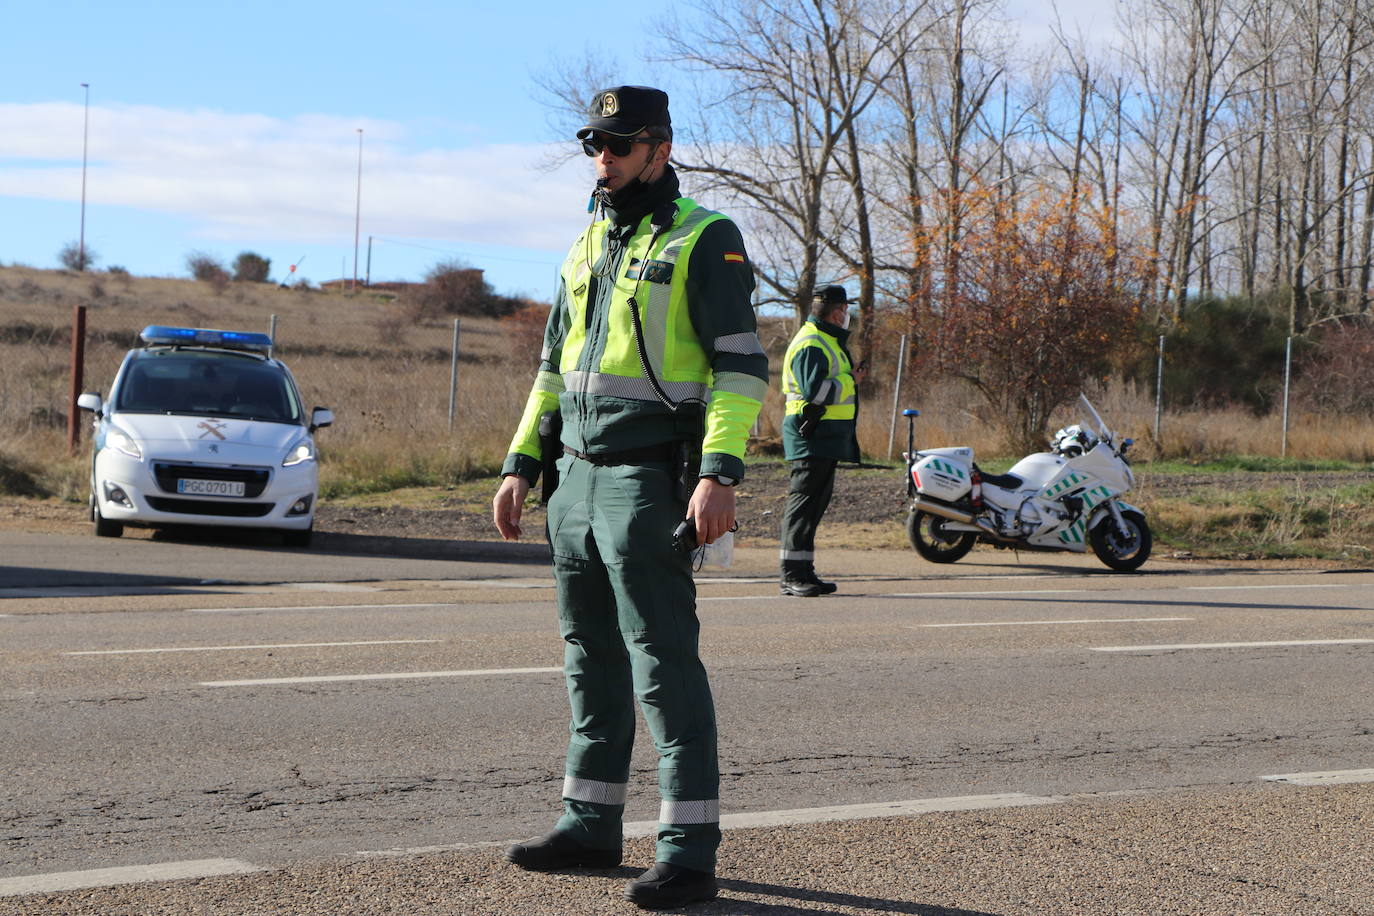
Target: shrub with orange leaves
{"points": [[1031, 302]]}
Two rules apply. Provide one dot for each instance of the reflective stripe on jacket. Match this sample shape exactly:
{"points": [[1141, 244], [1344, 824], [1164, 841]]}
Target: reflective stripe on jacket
{"points": [[704, 352], [836, 392]]}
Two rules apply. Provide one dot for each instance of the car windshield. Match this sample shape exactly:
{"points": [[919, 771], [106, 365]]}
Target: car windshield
{"points": [[207, 383]]}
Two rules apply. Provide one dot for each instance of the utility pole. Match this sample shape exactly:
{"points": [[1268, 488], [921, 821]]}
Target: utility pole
{"points": [[358, 209], [85, 137]]}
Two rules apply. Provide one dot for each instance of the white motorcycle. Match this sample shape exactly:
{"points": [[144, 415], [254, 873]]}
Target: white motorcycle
{"points": [[1063, 499]]}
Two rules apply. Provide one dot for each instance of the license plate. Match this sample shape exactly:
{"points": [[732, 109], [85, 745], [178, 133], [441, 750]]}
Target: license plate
{"points": [[210, 487]]}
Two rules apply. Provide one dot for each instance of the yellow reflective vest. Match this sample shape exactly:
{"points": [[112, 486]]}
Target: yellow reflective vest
{"points": [[591, 367]]}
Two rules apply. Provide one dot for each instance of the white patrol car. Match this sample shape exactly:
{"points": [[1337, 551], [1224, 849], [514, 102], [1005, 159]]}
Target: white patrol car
{"points": [[203, 427]]}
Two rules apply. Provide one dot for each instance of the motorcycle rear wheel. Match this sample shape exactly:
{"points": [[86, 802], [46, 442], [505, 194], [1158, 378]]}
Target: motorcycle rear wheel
{"points": [[931, 540], [1124, 554]]}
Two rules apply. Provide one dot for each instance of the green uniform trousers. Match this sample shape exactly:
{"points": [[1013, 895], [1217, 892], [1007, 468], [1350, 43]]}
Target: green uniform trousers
{"points": [[627, 612], [808, 496]]}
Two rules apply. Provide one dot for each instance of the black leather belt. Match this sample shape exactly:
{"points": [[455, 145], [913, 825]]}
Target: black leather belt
{"points": [[664, 451]]}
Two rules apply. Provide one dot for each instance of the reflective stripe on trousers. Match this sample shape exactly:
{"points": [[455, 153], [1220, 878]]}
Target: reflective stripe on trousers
{"points": [[627, 611]]}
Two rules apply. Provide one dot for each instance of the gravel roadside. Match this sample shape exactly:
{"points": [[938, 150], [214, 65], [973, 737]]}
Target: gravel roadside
{"points": [[869, 507]]}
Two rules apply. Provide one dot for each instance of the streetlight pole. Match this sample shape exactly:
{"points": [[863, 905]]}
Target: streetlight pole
{"points": [[85, 137], [358, 209]]}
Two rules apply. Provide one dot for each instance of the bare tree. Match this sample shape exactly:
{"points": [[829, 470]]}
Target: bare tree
{"points": [[794, 79], [564, 87]]}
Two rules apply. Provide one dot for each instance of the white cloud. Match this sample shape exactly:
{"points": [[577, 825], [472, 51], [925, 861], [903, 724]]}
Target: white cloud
{"points": [[1093, 21], [245, 175]]}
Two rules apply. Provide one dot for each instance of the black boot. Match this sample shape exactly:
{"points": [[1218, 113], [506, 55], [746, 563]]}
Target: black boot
{"points": [[666, 886], [556, 851], [801, 588], [797, 579], [825, 588]]}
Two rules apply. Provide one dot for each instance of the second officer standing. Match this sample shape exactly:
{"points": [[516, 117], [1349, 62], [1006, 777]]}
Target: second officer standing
{"points": [[820, 385]]}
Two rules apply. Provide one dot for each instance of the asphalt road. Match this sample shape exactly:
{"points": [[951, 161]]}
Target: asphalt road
{"points": [[347, 730]]}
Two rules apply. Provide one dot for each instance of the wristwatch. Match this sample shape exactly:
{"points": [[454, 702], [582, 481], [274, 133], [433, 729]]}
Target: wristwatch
{"points": [[721, 479]]}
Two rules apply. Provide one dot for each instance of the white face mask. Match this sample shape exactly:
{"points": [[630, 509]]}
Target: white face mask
{"points": [[844, 320]]}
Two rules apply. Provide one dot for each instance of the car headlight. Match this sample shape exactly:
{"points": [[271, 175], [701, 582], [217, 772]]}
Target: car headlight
{"points": [[301, 451], [121, 441]]}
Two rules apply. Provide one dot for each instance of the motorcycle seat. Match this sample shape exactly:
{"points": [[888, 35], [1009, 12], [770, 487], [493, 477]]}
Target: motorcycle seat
{"points": [[1005, 481]]}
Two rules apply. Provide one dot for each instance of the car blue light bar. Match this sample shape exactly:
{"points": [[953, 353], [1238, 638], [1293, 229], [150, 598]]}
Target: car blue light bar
{"points": [[159, 335]]}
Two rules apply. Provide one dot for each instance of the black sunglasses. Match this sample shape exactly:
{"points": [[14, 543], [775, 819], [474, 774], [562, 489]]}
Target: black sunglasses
{"points": [[619, 146]]}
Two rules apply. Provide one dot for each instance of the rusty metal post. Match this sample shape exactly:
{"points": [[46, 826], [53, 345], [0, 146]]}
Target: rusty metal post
{"points": [[78, 380]]}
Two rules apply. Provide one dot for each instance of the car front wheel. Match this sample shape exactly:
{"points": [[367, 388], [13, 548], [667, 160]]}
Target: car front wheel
{"points": [[104, 528], [298, 538]]}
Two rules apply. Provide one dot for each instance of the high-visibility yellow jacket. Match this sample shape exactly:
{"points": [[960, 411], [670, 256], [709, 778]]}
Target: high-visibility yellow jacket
{"points": [[818, 370], [692, 293]]}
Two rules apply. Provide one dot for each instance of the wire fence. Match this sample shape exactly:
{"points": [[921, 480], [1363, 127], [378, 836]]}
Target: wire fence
{"points": [[395, 383], [402, 386]]}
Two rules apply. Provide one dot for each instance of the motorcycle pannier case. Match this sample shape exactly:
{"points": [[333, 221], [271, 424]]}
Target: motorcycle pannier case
{"points": [[943, 473]]}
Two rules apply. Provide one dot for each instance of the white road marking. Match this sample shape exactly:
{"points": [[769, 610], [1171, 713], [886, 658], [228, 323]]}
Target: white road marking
{"points": [[426, 850], [743, 598], [1328, 778], [284, 645], [1229, 588], [794, 816], [1044, 623], [495, 583], [92, 591], [54, 882], [862, 812], [1038, 591], [405, 675], [314, 607], [332, 587], [734, 580], [1236, 645]]}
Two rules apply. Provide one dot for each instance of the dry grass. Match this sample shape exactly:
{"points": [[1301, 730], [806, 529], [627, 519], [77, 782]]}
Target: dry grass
{"points": [[386, 375], [1334, 523]]}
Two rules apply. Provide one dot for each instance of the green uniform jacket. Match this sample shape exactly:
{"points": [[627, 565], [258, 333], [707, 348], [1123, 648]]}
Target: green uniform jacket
{"points": [[719, 323], [812, 370]]}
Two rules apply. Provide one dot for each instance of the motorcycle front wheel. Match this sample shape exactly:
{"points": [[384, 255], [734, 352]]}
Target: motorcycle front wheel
{"points": [[1124, 553], [931, 540]]}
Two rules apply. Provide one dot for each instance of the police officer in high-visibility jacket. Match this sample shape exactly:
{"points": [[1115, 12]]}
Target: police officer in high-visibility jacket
{"points": [[652, 359], [819, 383]]}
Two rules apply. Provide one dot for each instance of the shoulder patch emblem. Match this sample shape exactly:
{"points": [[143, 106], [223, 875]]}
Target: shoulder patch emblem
{"points": [[734, 257]]}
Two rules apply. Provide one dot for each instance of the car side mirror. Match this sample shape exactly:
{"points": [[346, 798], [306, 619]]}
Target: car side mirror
{"points": [[90, 400], [321, 417]]}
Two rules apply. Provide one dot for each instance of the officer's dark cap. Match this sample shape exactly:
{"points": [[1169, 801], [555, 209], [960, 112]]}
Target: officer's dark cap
{"points": [[832, 295], [623, 111]]}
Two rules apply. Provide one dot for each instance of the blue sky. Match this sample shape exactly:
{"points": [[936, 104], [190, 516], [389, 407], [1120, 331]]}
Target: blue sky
{"points": [[228, 127]]}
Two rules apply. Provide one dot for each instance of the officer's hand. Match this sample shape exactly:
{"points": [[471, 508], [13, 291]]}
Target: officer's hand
{"points": [[507, 505], [713, 506]]}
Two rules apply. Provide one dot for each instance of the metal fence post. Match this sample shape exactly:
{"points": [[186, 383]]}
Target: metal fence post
{"points": [[272, 335], [453, 377], [1159, 389], [1287, 374], [78, 376], [896, 394]]}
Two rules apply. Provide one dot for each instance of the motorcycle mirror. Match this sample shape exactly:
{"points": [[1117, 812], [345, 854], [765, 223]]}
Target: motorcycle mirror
{"points": [[911, 412]]}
